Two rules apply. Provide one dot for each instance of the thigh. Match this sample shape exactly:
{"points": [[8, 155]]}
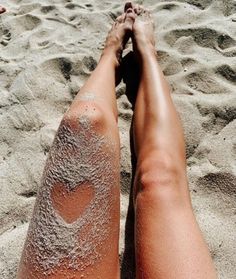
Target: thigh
{"points": [[75, 226]]}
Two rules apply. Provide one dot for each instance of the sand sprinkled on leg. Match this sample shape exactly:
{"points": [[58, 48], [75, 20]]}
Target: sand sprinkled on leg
{"points": [[80, 161]]}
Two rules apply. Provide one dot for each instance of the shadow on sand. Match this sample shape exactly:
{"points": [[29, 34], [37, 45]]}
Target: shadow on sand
{"points": [[130, 75]]}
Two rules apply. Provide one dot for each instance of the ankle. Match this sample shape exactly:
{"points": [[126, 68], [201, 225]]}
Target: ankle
{"points": [[111, 56], [145, 50]]}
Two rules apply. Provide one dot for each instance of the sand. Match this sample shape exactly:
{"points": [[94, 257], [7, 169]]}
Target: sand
{"points": [[48, 48]]}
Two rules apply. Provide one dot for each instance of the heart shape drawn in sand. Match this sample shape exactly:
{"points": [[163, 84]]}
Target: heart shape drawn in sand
{"points": [[70, 204]]}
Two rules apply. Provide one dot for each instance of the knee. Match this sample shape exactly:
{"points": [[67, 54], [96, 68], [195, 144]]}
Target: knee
{"points": [[160, 180], [87, 115]]}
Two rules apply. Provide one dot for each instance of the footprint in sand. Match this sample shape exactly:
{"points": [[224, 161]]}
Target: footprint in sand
{"points": [[5, 38], [5, 35]]}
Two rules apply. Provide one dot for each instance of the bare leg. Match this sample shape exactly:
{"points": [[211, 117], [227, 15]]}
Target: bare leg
{"points": [[75, 226], [168, 240], [2, 10]]}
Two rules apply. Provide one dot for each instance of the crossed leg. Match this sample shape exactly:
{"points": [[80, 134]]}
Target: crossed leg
{"points": [[168, 240], [74, 231]]}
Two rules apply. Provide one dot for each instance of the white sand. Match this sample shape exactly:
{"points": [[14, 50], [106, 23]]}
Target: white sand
{"points": [[47, 50]]}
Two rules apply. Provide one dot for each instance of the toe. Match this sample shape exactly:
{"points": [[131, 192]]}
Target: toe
{"points": [[130, 15], [137, 9], [128, 6], [129, 19], [120, 18], [141, 11], [2, 10]]}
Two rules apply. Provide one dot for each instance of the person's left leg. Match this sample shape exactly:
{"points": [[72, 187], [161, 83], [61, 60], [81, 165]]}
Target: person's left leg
{"points": [[168, 240], [74, 231], [2, 10]]}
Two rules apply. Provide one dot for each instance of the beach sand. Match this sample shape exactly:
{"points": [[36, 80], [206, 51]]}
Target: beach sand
{"points": [[48, 49]]}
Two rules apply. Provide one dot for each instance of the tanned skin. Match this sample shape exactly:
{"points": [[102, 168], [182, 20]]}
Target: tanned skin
{"points": [[168, 241]]}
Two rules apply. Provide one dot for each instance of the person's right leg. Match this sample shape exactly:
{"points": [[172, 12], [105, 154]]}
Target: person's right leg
{"points": [[169, 243], [74, 231]]}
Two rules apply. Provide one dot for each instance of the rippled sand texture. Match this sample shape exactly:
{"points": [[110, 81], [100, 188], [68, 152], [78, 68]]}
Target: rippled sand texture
{"points": [[48, 49]]}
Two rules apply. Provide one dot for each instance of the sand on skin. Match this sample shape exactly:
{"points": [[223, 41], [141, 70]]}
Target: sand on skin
{"points": [[48, 49]]}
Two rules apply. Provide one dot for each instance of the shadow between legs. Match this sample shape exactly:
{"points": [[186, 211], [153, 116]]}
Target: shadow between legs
{"points": [[130, 72]]}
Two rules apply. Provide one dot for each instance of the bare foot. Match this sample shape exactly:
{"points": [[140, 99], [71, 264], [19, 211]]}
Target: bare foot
{"points": [[143, 31], [2, 10], [119, 34]]}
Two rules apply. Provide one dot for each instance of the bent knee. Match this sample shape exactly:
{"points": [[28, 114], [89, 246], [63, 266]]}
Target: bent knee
{"points": [[159, 179], [87, 114]]}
